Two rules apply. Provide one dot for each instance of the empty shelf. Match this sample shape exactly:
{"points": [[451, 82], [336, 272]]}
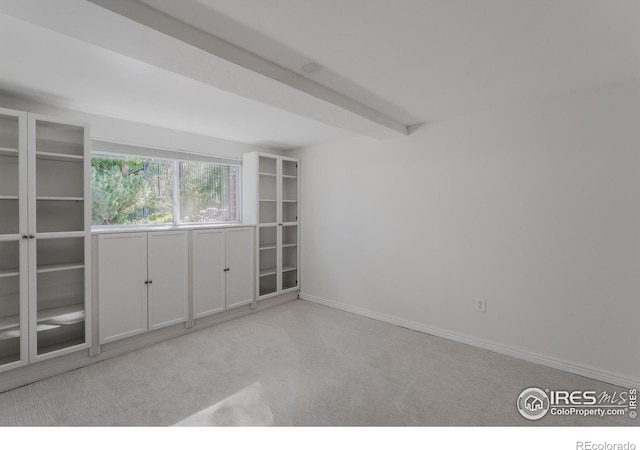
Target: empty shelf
{"points": [[6, 323], [289, 268], [5, 151], [267, 291], [12, 272], [64, 315], [59, 156], [64, 199], [267, 271], [59, 267], [267, 246]]}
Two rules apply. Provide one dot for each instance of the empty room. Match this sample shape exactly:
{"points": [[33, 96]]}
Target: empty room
{"points": [[357, 213]]}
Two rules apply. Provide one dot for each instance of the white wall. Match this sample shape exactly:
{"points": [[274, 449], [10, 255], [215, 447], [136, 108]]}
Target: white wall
{"points": [[111, 129], [536, 208]]}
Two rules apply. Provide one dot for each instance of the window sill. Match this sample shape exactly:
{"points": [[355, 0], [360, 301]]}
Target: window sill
{"points": [[103, 229]]}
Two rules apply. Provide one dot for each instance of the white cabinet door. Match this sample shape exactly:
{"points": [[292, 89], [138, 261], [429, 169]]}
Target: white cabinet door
{"points": [[168, 274], [122, 292], [208, 272], [240, 253]]}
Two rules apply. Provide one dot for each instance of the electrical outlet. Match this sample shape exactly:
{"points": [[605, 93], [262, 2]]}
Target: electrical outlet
{"points": [[481, 305]]}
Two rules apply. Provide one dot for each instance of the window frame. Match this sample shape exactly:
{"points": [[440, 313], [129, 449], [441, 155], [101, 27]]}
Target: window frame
{"points": [[175, 160]]}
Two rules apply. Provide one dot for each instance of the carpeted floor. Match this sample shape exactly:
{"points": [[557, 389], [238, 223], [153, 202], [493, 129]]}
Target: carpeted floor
{"points": [[317, 366]]}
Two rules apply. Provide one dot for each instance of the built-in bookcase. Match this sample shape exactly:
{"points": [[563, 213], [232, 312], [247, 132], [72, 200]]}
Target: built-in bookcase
{"points": [[270, 199], [44, 238]]}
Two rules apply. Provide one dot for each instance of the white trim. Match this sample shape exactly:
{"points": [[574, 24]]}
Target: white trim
{"points": [[111, 147], [543, 360]]}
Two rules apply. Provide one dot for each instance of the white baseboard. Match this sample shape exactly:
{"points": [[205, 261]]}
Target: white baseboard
{"points": [[543, 360]]}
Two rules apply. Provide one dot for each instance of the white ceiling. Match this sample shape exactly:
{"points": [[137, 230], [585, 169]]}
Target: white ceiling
{"points": [[386, 64]]}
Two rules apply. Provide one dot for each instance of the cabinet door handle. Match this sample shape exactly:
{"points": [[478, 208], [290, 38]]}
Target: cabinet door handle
{"points": [[31, 236], [226, 270], [150, 281], [24, 236]]}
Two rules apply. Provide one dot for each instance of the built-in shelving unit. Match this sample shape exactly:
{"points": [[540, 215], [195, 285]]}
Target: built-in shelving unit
{"points": [[271, 193], [44, 238]]}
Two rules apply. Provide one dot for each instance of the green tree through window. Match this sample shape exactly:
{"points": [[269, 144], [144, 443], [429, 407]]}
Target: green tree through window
{"points": [[128, 190]]}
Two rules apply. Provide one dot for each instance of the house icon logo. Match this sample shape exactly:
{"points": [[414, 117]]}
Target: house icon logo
{"points": [[533, 403]]}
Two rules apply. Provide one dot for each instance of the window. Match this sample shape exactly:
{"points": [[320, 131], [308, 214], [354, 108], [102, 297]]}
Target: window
{"points": [[139, 190]]}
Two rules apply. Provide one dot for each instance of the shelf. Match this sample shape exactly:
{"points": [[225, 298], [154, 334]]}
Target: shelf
{"points": [[267, 246], [60, 267], [4, 151], [62, 199], [268, 271], [64, 315], [61, 346], [289, 245], [13, 272], [289, 176], [59, 156], [289, 268], [289, 201], [267, 200], [267, 291], [266, 174], [6, 323], [8, 197], [61, 235]]}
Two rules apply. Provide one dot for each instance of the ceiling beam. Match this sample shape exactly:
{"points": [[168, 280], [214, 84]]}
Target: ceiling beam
{"points": [[138, 31]]}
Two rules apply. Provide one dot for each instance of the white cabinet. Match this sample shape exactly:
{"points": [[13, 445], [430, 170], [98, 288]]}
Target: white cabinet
{"points": [[44, 238], [223, 269], [142, 282], [271, 194], [122, 287], [168, 273]]}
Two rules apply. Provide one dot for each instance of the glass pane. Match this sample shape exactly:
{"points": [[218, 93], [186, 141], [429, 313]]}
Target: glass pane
{"points": [[9, 302], [267, 165], [289, 279], [56, 254], [61, 312], [9, 187], [9, 174], [59, 178], [9, 219], [59, 139], [9, 132], [267, 261], [289, 258], [289, 211], [131, 190], [60, 289], [208, 192], [57, 215], [268, 284]]}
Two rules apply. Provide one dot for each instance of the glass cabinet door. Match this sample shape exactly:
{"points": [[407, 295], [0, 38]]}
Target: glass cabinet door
{"points": [[13, 275], [10, 305], [58, 252], [289, 228], [60, 280]]}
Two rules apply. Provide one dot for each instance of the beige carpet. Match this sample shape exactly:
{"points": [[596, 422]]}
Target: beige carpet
{"points": [[315, 365]]}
